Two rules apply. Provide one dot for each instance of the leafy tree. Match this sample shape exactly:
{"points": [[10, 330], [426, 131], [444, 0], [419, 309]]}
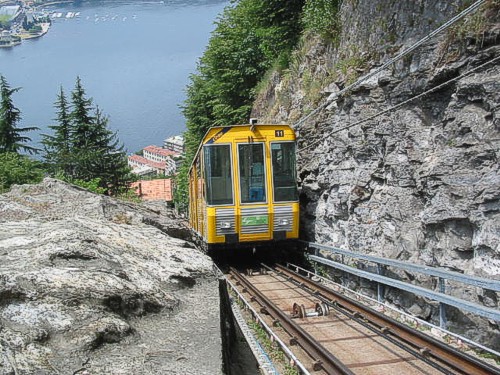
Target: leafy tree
{"points": [[250, 37], [11, 139], [4, 21], [18, 169]]}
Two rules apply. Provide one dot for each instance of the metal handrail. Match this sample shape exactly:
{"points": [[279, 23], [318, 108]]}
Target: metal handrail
{"points": [[440, 297], [432, 271]]}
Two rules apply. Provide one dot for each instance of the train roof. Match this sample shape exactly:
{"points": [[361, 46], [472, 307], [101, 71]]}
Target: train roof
{"points": [[229, 127]]}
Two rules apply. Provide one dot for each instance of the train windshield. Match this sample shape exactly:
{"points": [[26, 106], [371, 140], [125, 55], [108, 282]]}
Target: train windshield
{"points": [[284, 172], [252, 175], [218, 174]]}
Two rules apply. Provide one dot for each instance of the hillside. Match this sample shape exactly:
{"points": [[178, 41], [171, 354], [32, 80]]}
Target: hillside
{"points": [[421, 182], [90, 284]]}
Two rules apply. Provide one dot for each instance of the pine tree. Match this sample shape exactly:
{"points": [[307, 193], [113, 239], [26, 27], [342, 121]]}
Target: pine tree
{"points": [[106, 158], [96, 150], [83, 150], [58, 153], [81, 118], [11, 139]]}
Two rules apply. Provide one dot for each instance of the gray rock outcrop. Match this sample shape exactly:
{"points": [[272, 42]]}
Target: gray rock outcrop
{"points": [[90, 284], [419, 183]]}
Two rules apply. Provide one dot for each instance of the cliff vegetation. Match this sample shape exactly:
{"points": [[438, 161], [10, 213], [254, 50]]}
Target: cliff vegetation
{"points": [[404, 165]]}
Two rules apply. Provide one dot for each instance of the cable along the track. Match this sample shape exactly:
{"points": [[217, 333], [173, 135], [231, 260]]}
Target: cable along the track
{"points": [[346, 337]]}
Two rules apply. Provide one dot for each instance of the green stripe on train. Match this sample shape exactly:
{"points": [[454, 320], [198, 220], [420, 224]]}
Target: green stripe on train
{"points": [[254, 220]]}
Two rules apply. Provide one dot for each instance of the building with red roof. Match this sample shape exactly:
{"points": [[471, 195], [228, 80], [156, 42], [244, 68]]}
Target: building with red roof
{"points": [[142, 166], [155, 160], [156, 153]]}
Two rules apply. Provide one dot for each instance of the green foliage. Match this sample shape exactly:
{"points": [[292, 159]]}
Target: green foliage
{"points": [[4, 21], [250, 37], [11, 139], [82, 149], [35, 29], [129, 196], [486, 355], [181, 195], [271, 348], [93, 185], [321, 17], [350, 67], [18, 169]]}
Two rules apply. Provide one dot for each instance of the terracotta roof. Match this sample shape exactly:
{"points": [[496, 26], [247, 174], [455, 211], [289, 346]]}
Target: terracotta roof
{"points": [[159, 151], [142, 160], [154, 190]]}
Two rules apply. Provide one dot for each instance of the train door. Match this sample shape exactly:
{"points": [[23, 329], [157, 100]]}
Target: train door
{"points": [[253, 210], [252, 173]]}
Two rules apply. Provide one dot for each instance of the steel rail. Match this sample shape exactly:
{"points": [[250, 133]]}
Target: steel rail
{"points": [[431, 347], [360, 319], [322, 357], [419, 321]]}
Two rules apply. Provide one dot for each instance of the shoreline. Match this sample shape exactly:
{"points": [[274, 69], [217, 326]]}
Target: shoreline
{"points": [[53, 3], [10, 45], [45, 26], [26, 36]]}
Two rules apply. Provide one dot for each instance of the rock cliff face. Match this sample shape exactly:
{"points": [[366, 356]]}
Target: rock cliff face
{"points": [[80, 273], [420, 183]]}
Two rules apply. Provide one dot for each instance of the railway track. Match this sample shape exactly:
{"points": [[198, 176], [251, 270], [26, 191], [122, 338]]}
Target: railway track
{"points": [[333, 334]]}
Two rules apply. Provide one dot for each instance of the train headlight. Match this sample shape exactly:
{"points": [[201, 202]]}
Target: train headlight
{"points": [[225, 225], [284, 222]]}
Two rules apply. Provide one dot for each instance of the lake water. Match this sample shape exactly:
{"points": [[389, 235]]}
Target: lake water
{"points": [[134, 59]]}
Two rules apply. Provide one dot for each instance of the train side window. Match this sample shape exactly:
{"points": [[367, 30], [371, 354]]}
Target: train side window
{"points": [[218, 181], [252, 175], [284, 171]]}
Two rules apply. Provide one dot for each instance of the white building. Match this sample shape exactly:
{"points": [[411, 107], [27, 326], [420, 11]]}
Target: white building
{"points": [[158, 154], [175, 143]]}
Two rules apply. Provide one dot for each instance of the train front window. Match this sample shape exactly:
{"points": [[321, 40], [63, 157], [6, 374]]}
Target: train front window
{"points": [[284, 172], [219, 184], [252, 173]]}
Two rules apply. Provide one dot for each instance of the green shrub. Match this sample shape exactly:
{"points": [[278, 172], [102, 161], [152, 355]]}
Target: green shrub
{"points": [[321, 17], [90, 185], [18, 169]]}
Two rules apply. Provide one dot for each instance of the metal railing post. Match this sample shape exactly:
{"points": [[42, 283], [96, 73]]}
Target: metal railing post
{"points": [[442, 306], [316, 252], [380, 286]]}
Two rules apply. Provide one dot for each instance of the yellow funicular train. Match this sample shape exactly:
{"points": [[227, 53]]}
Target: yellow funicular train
{"points": [[243, 187]]}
